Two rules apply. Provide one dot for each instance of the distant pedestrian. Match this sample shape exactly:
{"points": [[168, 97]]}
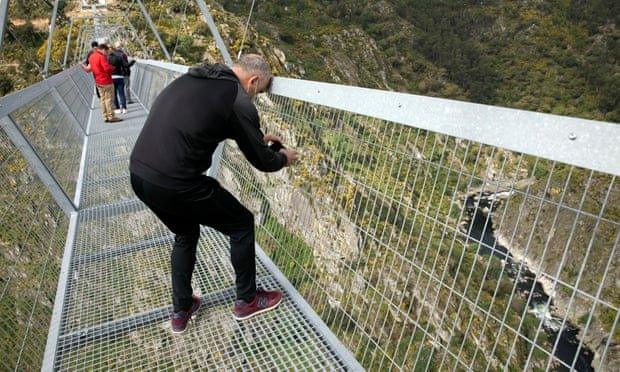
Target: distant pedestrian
{"points": [[99, 66], [115, 58], [93, 47], [127, 71]]}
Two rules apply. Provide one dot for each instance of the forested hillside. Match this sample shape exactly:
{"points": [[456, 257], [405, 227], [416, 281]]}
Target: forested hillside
{"points": [[552, 56], [23, 48]]}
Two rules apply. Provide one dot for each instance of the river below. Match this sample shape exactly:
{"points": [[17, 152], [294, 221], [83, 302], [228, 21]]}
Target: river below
{"points": [[539, 304]]}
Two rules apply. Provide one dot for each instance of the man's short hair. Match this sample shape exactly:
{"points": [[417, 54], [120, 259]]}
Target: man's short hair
{"points": [[254, 63], [103, 47], [94, 44]]}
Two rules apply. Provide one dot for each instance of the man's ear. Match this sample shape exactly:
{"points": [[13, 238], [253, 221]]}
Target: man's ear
{"points": [[254, 80]]}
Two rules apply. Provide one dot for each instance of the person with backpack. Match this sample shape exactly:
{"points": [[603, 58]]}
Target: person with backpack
{"points": [[117, 59], [126, 71]]}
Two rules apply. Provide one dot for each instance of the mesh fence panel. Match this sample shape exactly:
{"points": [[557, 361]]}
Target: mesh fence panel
{"points": [[75, 101], [150, 82], [50, 130], [429, 252], [85, 84], [32, 235]]}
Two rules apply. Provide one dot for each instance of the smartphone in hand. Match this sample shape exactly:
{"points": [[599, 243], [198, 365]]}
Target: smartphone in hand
{"points": [[276, 146]]}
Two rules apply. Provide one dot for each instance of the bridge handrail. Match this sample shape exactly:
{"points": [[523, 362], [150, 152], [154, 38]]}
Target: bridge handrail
{"points": [[585, 143]]}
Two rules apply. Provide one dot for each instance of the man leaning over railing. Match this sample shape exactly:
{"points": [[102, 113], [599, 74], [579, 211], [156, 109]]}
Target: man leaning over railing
{"points": [[187, 121]]}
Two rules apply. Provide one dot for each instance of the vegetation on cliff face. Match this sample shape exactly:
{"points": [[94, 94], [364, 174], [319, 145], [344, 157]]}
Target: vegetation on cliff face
{"points": [[552, 56], [25, 40]]}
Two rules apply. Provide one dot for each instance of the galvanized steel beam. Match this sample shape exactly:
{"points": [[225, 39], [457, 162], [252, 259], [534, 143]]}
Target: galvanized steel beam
{"points": [[61, 290], [4, 17], [122, 250], [214, 31], [50, 38], [149, 21], [64, 60], [584, 143]]}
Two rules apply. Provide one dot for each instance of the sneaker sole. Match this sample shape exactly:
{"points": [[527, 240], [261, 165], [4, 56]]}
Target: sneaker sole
{"points": [[195, 313], [180, 332], [258, 312], [191, 318]]}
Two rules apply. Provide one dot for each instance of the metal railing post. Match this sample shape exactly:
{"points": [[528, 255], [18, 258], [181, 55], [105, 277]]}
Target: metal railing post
{"points": [[4, 12], [83, 42], [95, 21], [214, 31], [78, 40], [64, 60], [153, 28], [50, 37]]}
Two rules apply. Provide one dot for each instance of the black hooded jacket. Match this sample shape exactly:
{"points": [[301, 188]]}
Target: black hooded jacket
{"points": [[188, 120]]}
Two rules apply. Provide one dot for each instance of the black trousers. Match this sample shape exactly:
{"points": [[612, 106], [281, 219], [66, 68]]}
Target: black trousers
{"points": [[183, 211]]}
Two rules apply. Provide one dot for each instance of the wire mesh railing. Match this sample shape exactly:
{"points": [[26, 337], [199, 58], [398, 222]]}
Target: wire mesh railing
{"points": [[41, 143], [427, 251], [32, 234], [52, 116], [150, 80]]}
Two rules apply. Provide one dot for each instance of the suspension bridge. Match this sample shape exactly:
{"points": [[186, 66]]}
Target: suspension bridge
{"points": [[416, 233]]}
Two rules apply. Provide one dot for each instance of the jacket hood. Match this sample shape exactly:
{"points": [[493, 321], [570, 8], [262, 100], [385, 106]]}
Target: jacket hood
{"points": [[216, 71]]}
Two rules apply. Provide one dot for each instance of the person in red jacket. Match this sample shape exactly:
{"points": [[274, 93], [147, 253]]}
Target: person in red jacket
{"points": [[102, 70]]}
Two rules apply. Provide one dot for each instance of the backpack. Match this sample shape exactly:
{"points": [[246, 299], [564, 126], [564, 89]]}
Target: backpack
{"points": [[116, 59]]}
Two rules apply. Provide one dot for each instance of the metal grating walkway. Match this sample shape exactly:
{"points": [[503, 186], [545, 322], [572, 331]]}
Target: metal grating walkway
{"points": [[117, 296]]}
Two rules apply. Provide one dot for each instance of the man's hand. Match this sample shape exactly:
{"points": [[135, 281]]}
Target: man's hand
{"points": [[291, 156]]}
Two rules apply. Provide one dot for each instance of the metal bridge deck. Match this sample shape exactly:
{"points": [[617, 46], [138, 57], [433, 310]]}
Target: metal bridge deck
{"points": [[117, 299]]}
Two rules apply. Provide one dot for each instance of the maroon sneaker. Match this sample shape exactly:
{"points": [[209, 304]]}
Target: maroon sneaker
{"points": [[263, 302], [179, 319]]}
